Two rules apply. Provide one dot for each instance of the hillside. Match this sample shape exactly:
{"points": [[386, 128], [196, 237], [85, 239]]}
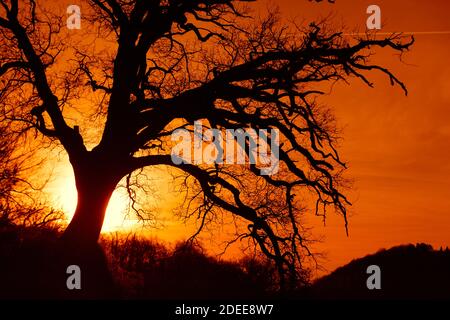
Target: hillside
{"points": [[407, 272]]}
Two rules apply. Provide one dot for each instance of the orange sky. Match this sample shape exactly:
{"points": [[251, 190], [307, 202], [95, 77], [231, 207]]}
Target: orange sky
{"points": [[397, 147]]}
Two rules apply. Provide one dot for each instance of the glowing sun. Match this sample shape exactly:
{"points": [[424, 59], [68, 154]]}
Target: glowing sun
{"points": [[65, 197]]}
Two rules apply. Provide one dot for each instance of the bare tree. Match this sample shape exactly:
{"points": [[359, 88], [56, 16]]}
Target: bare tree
{"points": [[9, 171], [18, 203], [172, 62]]}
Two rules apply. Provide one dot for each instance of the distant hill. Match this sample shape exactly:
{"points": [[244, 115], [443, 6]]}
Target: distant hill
{"points": [[407, 272]]}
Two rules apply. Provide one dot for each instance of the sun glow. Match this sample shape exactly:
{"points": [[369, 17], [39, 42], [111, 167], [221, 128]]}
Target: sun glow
{"points": [[161, 201], [65, 198]]}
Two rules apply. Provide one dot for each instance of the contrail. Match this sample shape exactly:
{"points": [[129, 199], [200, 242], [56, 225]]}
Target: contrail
{"points": [[404, 32]]}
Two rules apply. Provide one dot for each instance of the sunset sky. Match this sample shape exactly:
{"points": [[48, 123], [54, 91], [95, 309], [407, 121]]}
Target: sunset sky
{"points": [[397, 147]]}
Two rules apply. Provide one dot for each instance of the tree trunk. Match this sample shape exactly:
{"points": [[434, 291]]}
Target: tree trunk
{"points": [[95, 183]]}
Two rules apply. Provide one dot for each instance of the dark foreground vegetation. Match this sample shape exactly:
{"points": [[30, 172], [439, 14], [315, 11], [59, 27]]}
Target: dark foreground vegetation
{"points": [[34, 262]]}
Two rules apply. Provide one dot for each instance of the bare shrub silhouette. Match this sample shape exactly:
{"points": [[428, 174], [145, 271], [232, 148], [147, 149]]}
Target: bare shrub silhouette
{"points": [[147, 269]]}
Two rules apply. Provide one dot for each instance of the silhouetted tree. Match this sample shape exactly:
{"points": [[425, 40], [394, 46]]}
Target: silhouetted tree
{"points": [[167, 63], [9, 171], [17, 203], [17, 194]]}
